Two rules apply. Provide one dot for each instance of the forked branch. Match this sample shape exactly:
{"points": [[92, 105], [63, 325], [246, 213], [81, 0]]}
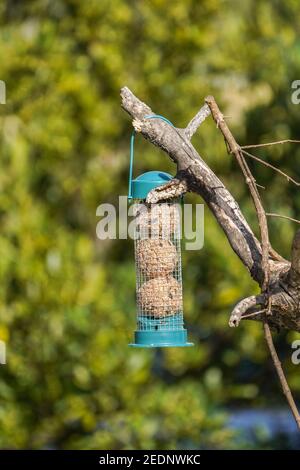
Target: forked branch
{"points": [[279, 280], [198, 178]]}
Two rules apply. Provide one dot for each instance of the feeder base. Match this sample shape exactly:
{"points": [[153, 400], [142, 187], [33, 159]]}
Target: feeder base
{"points": [[160, 339]]}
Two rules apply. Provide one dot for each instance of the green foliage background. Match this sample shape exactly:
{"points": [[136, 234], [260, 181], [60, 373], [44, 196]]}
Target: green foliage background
{"points": [[67, 299]]}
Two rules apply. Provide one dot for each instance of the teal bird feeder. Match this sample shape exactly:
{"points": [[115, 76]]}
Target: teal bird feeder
{"points": [[158, 264]]}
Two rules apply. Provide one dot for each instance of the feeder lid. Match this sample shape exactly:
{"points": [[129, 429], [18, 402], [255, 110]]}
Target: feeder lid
{"points": [[147, 181]]}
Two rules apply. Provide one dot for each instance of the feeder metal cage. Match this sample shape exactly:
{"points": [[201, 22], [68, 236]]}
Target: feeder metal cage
{"points": [[158, 266]]}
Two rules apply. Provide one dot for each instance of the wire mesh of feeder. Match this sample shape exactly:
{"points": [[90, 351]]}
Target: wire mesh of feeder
{"points": [[158, 267]]}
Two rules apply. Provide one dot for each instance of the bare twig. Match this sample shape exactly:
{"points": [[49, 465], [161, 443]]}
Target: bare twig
{"points": [[285, 386], [248, 315], [289, 178], [272, 214], [285, 141]]}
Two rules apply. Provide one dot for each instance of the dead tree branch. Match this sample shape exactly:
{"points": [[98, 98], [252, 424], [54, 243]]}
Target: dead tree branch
{"points": [[279, 280], [200, 179], [174, 189], [235, 149], [263, 225], [193, 174], [243, 306], [197, 121]]}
